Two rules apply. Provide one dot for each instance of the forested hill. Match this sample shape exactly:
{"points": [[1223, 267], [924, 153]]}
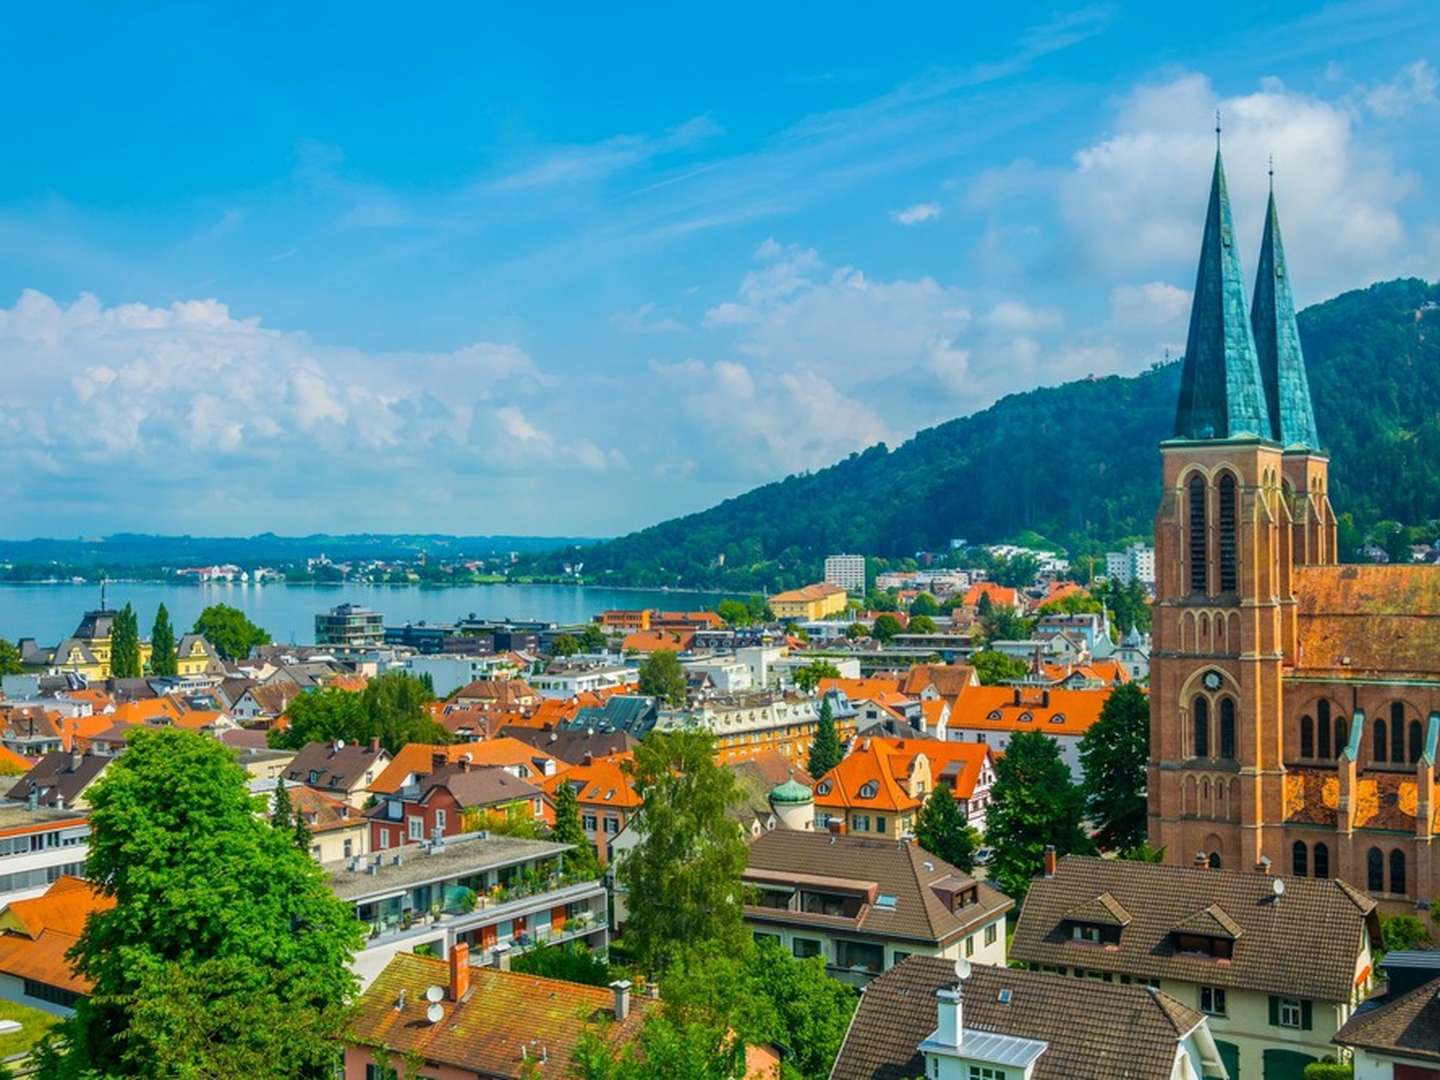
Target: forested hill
{"points": [[1076, 463]]}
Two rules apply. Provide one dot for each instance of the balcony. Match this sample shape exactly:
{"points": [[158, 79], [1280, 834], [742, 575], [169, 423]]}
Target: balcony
{"points": [[490, 910]]}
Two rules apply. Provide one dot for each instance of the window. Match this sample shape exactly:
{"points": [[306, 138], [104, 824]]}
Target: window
{"points": [[1307, 737], [589, 822], [1397, 732], [1214, 860], [985, 1072], [349, 848], [869, 789], [860, 823], [384, 839], [1300, 859], [1415, 740], [1085, 933], [1289, 1013], [440, 820], [1229, 576], [863, 955], [612, 826], [1397, 871], [1197, 534], [991, 934], [1322, 718], [1322, 861], [879, 824], [314, 776], [970, 946], [1212, 1000], [1227, 728], [416, 824], [1377, 751], [1374, 870], [1200, 712], [762, 937], [804, 948]]}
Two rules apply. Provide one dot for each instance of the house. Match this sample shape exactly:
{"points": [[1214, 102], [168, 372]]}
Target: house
{"points": [[570, 747], [1396, 1036], [931, 682], [1000, 597], [337, 830], [929, 1017], [607, 798], [35, 936], [484, 891], [59, 780], [993, 714], [38, 845], [809, 602], [464, 1022], [504, 695], [631, 714], [751, 723], [451, 799], [414, 761], [32, 730], [87, 651], [344, 770], [866, 904], [566, 680], [264, 703], [1277, 964], [880, 786], [651, 641], [196, 656]]}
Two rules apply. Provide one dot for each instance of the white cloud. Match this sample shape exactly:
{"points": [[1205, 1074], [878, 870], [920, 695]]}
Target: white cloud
{"points": [[1133, 201], [1412, 87], [914, 215]]}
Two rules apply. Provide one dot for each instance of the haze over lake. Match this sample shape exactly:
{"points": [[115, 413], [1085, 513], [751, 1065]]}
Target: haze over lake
{"points": [[49, 613]]}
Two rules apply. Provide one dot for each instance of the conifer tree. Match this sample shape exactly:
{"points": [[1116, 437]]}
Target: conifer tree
{"points": [[569, 829], [125, 645], [280, 809], [942, 830], [163, 660], [825, 749]]}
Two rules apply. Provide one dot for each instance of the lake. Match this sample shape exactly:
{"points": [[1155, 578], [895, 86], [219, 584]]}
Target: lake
{"points": [[50, 613]]}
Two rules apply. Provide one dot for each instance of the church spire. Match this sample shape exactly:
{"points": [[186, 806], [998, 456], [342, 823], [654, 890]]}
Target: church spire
{"points": [[1221, 393], [1277, 342]]}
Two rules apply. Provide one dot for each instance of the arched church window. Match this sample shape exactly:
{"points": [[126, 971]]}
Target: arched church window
{"points": [[1397, 871], [1378, 752], [1227, 727], [1229, 575], [1397, 732], [1214, 860], [1307, 737], [1342, 740], [1200, 713], [1322, 860], [1415, 740], [1197, 534], [1299, 859], [1322, 730], [1374, 870]]}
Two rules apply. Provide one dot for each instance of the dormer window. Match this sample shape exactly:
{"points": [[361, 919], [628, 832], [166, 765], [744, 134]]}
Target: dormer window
{"points": [[1026, 716], [1082, 932], [822, 788], [1057, 718], [869, 790], [994, 714]]}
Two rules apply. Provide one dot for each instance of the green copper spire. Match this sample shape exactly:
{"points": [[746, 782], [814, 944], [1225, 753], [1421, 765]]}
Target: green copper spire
{"points": [[1221, 395], [1277, 341]]}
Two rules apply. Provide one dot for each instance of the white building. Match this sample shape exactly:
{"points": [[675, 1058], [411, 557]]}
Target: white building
{"points": [[38, 846], [727, 674], [1135, 563], [565, 681], [449, 673], [846, 571]]}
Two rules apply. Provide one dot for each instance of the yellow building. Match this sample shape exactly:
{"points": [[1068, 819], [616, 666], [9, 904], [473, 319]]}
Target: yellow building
{"points": [[809, 602], [87, 651], [193, 656]]}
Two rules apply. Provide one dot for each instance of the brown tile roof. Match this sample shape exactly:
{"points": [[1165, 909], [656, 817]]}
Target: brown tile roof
{"points": [[419, 759], [1369, 619], [322, 812], [1102, 910], [1094, 1029], [906, 871], [484, 1031], [339, 765], [485, 786], [59, 774], [1408, 1026], [947, 679], [570, 747], [1327, 914]]}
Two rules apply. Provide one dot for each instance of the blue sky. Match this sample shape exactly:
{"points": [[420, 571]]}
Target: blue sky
{"points": [[573, 270]]}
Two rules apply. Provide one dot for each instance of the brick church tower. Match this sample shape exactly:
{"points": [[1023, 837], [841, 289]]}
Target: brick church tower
{"points": [[1244, 504]]}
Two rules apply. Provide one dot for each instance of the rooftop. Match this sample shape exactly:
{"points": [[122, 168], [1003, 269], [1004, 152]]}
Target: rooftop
{"points": [[416, 864]]}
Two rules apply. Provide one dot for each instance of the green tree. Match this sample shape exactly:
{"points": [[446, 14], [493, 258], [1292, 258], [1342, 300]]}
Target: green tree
{"points": [[229, 631], [881, 601], [662, 676], [1073, 603], [855, 631], [808, 677], [125, 645], [391, 708], [592, 639], [825, 749], [565, 645], [885, 627], [163, 660], [583, 862], [921, 624], [924, 604], [683, 877], [1404, 932], [735, 612], [993, 668], [571, 961], [942, 830], [281, 813], [1032, 804], [1003, 624], [1114, 755], [226, 953], [10, 658]]}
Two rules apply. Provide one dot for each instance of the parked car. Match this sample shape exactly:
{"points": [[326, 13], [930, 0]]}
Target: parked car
{"points": [[984, 855]]}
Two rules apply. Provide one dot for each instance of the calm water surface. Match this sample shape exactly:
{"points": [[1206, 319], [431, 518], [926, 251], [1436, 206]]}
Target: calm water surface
{"points": [[49, 613]]}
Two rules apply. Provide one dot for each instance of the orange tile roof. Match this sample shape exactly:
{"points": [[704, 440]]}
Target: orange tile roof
{"points": [[876, 688], [351, 683], [63, 907], [83, 727], [890, 762], [10, 761], [1000, 595], [1055, 712], [603, 782], [42, 959], [419, 758], [806, 593], [146, 710], [947, 679], [97, 698], [659, 640]]}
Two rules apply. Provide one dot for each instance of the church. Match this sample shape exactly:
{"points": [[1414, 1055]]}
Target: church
{"points": [[1295, 702]]}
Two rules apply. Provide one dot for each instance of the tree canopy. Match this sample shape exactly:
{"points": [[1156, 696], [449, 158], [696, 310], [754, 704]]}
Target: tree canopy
{"points": [[163, 660], [808, 677], [993, 668], [10, 658], [662, 676], [125, 645], [942, 830], [226, 953], [583, 862], [682, 879], [391, 708], [885, 627], [229, 630], [825, 749], [1032, 803], [924, 604], [1114, 755]]}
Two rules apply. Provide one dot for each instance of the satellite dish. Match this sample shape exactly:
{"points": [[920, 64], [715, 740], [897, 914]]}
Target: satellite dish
{"points": [[962, 968], [435, 1013], [435, 993], [1278, 887]]}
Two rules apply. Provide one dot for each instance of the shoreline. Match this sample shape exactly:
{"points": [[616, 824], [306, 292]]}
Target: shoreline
{"points": [[339, 585]]}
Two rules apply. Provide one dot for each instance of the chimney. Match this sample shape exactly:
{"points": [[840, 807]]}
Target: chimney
{"points": [[501, 955], [948, 1006], [1201, 862], [622, 998], [76, 757], [588, 759], [1049, 860], [1017, 696], [1263, 866], [459, 970], [439, 759], [464, 762], [1044, 699], [375, 744]]}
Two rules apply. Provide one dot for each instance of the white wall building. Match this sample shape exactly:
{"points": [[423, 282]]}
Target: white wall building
{"points": [[846, 571], [1135, 563], [449, 673]]}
